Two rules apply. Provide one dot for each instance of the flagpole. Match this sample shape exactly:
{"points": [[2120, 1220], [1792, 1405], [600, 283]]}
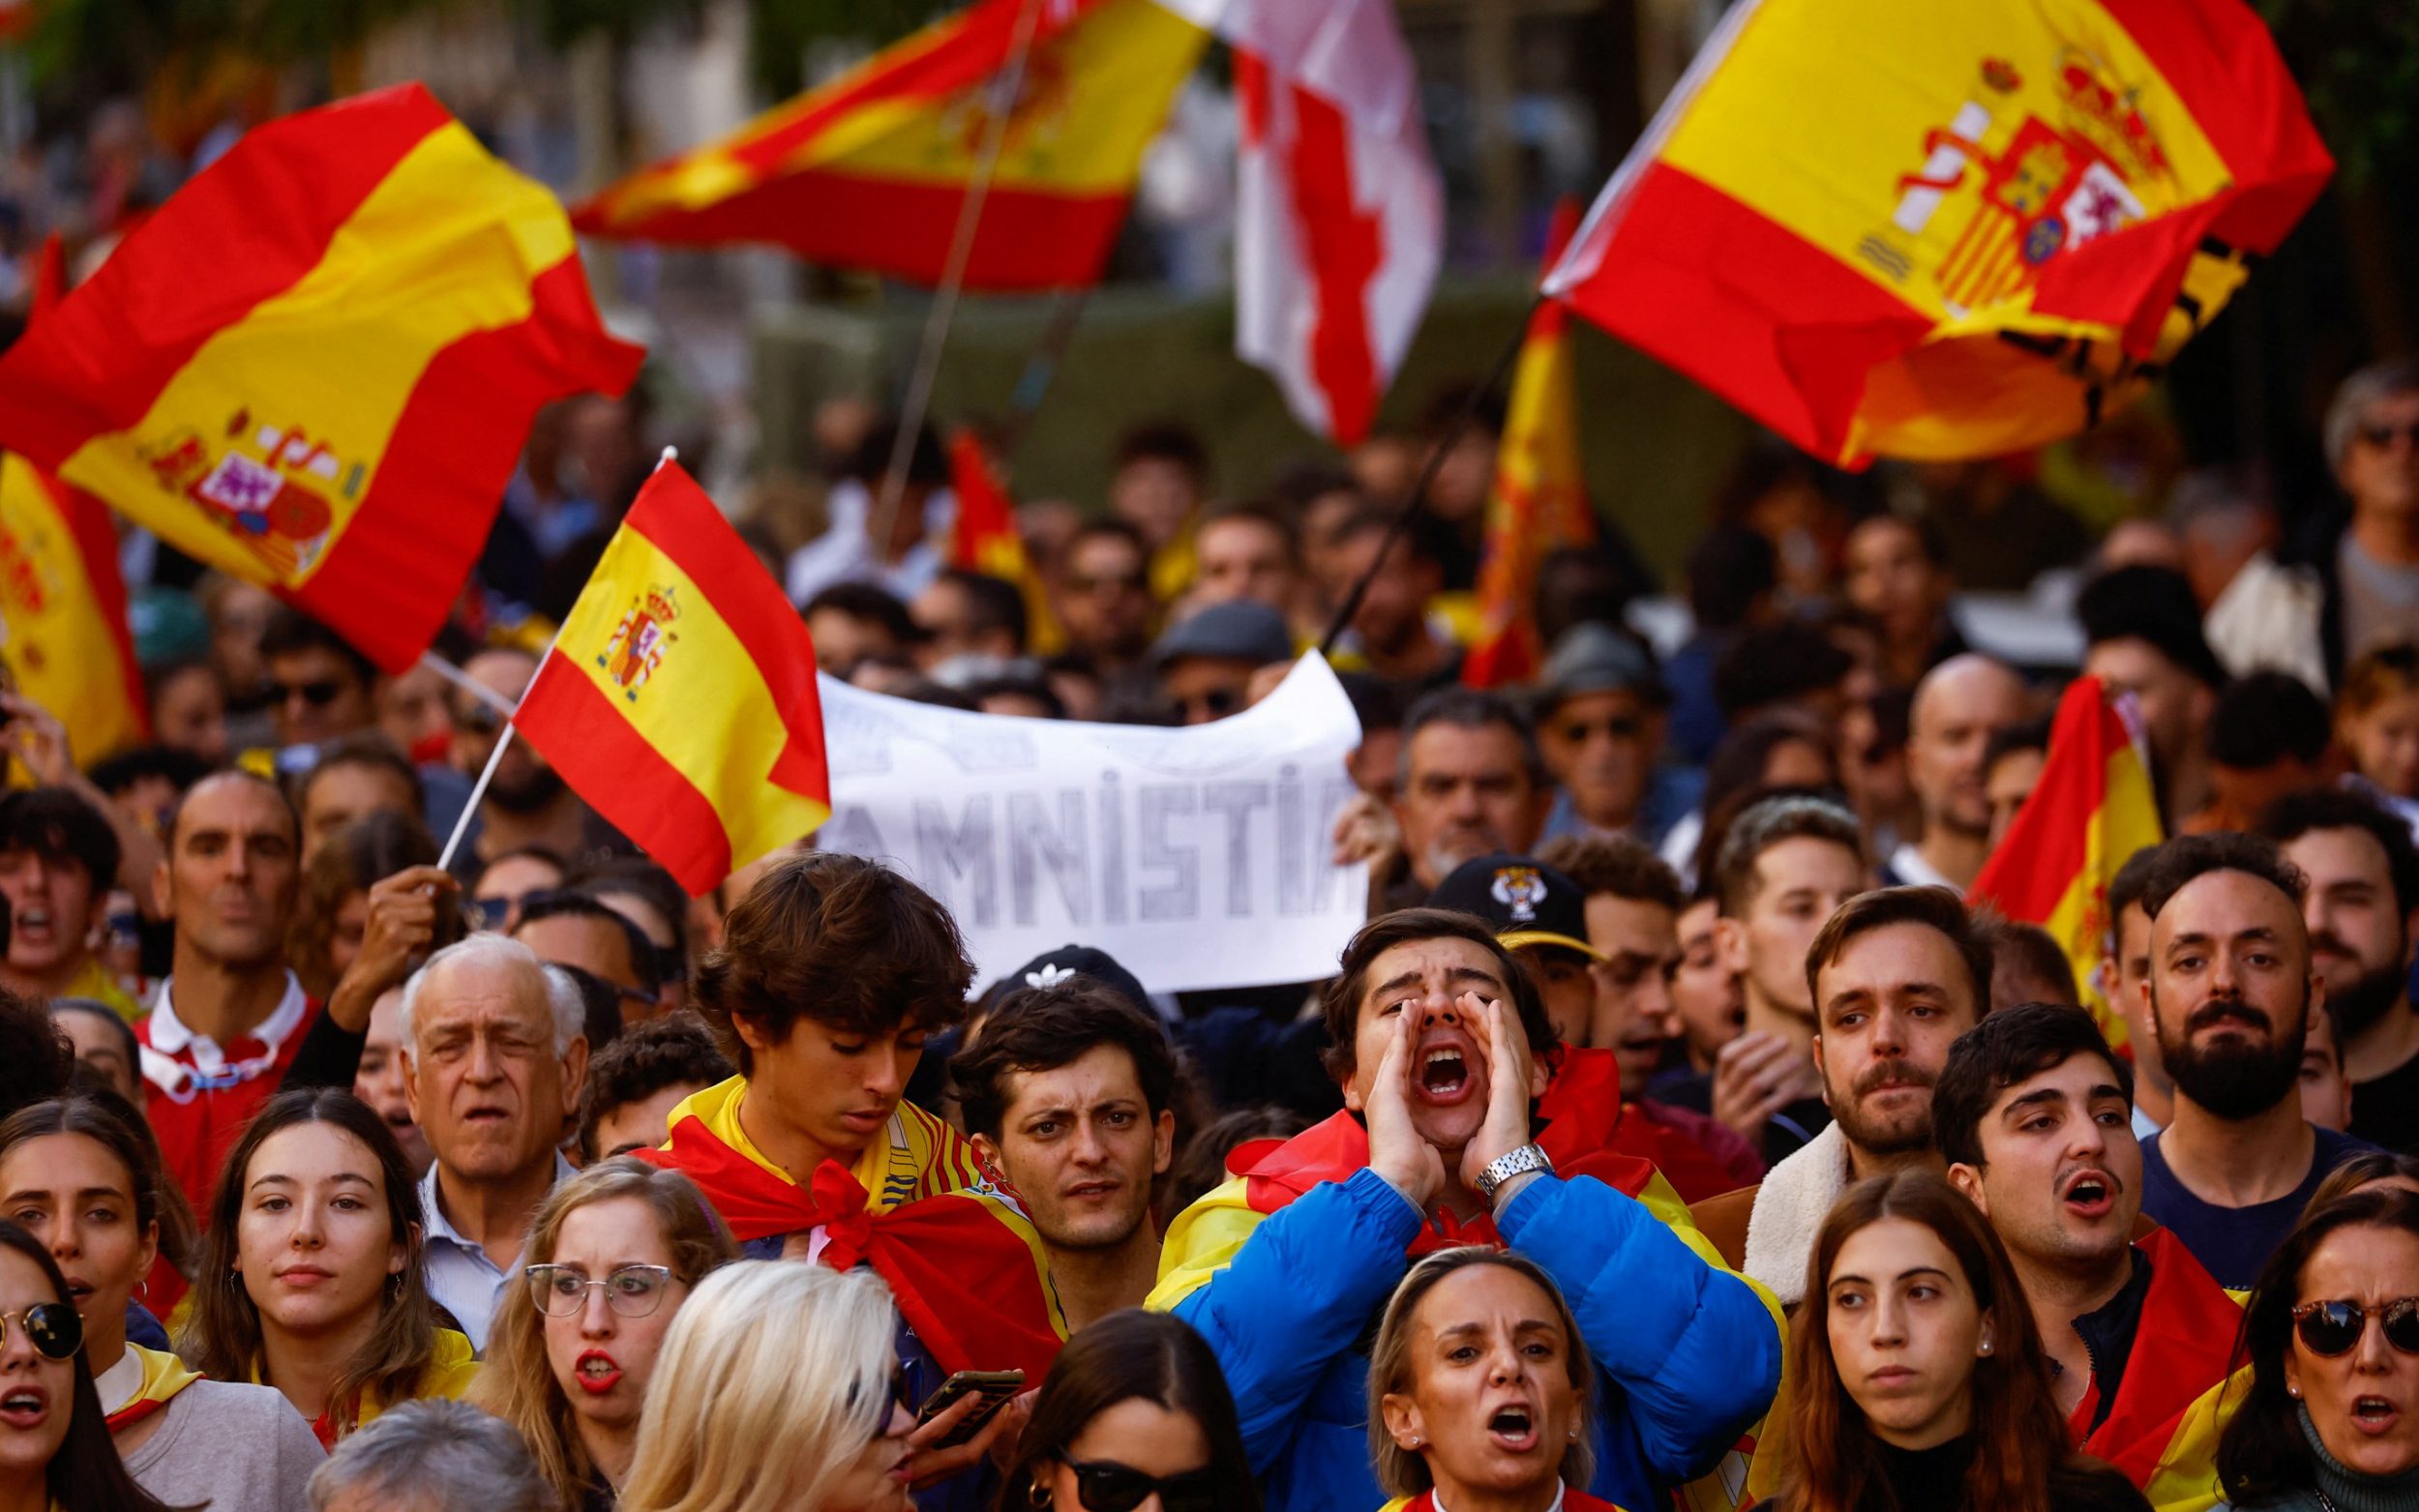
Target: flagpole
{"points": [[1445, 444], [927, 370], [478, 792]]}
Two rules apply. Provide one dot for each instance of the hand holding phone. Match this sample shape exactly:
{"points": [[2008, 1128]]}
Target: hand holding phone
{"points": [[995, 1387]]}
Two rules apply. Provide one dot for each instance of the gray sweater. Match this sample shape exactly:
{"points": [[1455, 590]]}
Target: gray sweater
{"points": [[230, 1448], [2346, 1489]]}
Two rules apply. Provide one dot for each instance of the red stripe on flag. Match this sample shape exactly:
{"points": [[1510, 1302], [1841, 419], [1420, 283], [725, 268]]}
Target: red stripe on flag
{"points": [[2047, 846], [265, 213], [399, 564], [1344, 249], [1748, 308], [610, 766], [1028, 239], [88, 522], [675, 516]]}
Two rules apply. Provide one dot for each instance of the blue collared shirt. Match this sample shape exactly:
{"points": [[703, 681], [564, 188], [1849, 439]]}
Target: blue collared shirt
{"points": [[464, 1282]]}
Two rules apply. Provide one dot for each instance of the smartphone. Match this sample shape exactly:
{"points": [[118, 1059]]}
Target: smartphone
{"points": [[997, 1387]]}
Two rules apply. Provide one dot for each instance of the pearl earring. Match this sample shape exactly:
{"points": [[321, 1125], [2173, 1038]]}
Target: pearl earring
{"points": [[1986, 1345], [1414, 1441], [2294, 1392]]}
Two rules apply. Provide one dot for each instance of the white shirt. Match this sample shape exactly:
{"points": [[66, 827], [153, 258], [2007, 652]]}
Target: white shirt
{"points": [[171, 1037], [845, 553], [1908, 866], [464, 1282]]}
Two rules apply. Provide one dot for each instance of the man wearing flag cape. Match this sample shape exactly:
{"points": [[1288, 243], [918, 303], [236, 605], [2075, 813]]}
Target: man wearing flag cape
{"points": [[1451, 1137]]}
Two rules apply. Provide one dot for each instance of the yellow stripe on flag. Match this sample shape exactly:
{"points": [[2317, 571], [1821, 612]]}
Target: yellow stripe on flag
{"points": [[53, 636], [721, 757], [444, 247]]}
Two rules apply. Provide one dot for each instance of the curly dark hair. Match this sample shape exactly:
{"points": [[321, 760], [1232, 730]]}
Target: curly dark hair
{"points": [[840, 940], [676, 1049], [1040, 1028]]}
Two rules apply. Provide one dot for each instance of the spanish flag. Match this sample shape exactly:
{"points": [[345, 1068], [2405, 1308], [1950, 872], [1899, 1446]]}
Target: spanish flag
{"points": [[871, 170], [679, 698], [2092, 808], [315, 365], [1539, 502], [1947, 231], [2179, 1390], [63, 630], [965, 1264], [985, 539]]}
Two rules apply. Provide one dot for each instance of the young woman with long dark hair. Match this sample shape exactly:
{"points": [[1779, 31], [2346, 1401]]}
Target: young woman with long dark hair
{"points": [[1134, 1405], [1920, 1384], [310, 1277], [54, 1446], [86, 1185]]}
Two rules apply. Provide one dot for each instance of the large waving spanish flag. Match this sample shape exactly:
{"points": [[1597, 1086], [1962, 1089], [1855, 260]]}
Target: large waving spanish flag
{"points": [[315, 365], [872, 170], [2092, 808], [1539, 502], [680, 697], [1894, 229], [964, 1262]]}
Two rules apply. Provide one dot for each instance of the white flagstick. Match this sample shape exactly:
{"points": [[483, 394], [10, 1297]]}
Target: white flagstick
{"points": [[467, 683], [478, 792]]}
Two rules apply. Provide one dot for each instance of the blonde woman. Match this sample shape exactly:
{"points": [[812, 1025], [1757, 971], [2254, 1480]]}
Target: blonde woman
{"points": [[775, 1394], [613, 1254]]}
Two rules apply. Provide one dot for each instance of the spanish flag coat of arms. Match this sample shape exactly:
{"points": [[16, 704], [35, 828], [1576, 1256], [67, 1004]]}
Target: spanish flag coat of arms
{"points": [[1902, 229]]}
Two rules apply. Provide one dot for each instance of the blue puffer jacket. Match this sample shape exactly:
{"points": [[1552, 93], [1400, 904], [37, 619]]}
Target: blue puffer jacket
{"points": [[1687, 1355]]}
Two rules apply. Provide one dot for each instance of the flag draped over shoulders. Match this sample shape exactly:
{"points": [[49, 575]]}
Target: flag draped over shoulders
{"points": [[2178, 1391], [962, 1262]]}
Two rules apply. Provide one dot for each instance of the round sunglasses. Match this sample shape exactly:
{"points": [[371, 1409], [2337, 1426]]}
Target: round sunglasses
{"points": [[2332, 1328], [53, 1328]]}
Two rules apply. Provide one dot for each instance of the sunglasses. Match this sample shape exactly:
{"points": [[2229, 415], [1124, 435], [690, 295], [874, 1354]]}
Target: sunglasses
{"points": [[2383, 436], [2329, 1329], [319, 694], [1106, 1486], [633, 1290], [53, 1328]]}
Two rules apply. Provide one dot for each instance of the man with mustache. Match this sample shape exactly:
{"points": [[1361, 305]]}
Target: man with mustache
{"points": [[2231, 993], [2363, 894], [2034, 1115], [1443, 1050], [1896, 976]]}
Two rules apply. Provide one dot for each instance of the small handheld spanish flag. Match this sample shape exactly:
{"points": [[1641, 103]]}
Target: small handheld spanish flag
{"points": [[1947, 231], [315, 365], [680, 699], [2092, 808]]}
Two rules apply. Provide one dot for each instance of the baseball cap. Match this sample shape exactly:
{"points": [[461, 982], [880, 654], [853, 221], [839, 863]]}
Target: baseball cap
{"points": [[1054, 966], [1241, 630], [1524, 900], [1595, 658]]}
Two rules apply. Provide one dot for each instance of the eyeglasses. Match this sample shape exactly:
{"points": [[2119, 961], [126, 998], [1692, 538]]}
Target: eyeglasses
{"points": [[319, 693], [1106, 1486], [2328, 1329], [53, 1328], [633, 1290], [478, 719], [2383, 436]]}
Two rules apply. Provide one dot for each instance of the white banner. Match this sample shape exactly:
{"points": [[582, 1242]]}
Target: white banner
{"points": [[1199, 858]]}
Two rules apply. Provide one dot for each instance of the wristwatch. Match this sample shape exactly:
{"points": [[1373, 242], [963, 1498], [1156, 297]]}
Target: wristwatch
{"points": [[1516, 1163]]}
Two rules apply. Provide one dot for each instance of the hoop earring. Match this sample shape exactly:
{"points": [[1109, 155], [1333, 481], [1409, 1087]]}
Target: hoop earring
{"points": [[142, 1291]]}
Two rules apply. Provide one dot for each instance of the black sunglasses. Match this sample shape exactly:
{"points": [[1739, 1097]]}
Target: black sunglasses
{"points": [[54, 1327], [1106, 1486], [319, 694], [2329, 1329]]}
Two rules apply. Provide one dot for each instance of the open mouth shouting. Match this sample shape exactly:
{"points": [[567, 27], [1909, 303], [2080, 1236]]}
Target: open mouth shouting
{"points": [[1446, 1070], [2089, 1193], [1512, 1428], [597, 1372], [33, 922], [2375, 1416], [24, 1407]]}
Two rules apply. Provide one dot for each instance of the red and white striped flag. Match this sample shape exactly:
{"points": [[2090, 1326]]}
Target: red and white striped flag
{"points": [[1340, 214]]}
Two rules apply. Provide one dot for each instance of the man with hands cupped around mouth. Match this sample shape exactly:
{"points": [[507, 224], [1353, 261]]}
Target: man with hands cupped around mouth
{"points": [[1455, 1134]]}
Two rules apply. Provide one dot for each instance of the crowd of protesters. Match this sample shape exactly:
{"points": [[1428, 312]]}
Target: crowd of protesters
{"points": [[1672, 1131]]}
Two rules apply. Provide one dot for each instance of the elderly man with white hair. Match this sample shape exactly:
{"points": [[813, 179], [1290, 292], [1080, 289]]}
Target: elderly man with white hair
{"points": [[494, 1060], [432, 1456]]}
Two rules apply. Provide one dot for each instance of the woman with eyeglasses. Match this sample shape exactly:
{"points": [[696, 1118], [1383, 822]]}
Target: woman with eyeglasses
{"points": [[54, 1443], [310, 1277], [1481, 1393], [1134, 1417], [77, 1178], [613, 1253], [777, 1391], [2332, 1336]]}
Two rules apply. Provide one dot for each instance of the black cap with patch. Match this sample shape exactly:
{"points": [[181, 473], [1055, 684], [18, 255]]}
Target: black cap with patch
{"points": [[1054, 966], [1524, 900]]}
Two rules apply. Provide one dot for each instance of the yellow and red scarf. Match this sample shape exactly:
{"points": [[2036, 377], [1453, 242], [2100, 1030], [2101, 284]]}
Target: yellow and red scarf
{"points": [[962, 1262], [164, 1376]]}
